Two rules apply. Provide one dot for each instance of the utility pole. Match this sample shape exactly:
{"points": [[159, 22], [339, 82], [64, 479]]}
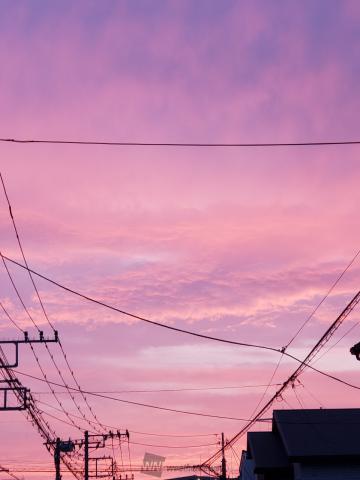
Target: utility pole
{"points": [[59, 447], [223, 460], [86, 456], [93, 441], [14, 389], [57, 459], [96, 441]]}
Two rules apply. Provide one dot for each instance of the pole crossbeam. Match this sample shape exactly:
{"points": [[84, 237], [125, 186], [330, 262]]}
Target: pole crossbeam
{"points": [[25, 340], [19, 393], [102, 472]]}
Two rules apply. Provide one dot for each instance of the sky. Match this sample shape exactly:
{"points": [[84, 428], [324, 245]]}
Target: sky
{"points": [[237, 243]]}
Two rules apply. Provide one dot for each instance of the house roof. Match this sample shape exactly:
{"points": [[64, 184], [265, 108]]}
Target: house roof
{"points": [[322, 433], [267, 451]]}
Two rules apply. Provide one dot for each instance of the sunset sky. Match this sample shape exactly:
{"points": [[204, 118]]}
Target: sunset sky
{"points": [[237, 243]]}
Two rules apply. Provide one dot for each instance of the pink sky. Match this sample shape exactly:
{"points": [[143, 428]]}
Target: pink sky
{"points": [[236, 243]]}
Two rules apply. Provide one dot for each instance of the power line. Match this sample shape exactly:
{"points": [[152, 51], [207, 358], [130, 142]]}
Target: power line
{"points": [[10, 318], [7, 471], [338, 341], [116, 399], [267, 386], [161, 390], [311, 394], [179, 144], [37, 358], [169, 327], [44, 313], [304, 324], [138, 317], [324, 297], [174, 434], [297, 396], [174, 446], [81, 429], [130, 402], [318, 346], [33, 413], [133, 431], [22, 251], [33, 350]]}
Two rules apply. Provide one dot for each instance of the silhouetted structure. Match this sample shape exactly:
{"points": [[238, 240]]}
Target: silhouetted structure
{"points": [[304, 445], [355, 350]]}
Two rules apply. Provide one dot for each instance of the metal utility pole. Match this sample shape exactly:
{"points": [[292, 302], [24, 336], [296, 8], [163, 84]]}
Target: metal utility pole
{"points": [[86, 456], [223, 460]]}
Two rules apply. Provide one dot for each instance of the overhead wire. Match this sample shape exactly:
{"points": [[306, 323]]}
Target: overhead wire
{"points": [[310, 393], [188, 332], [37, 359], [337, 280], [285, 353], [173, 446], [33, 413], [44, 313], [61, 420], [297, 396], [10, 318], [8, 472], [278, 394], [315, 350], [130, 402], [337, 342], [116, 399], [166, 390], [281, 351], [323, 299], [69, 415], [267, 386], [138, 317], [178, 144], [152, 434], [256, 346], [41, 368], [112, 427]]}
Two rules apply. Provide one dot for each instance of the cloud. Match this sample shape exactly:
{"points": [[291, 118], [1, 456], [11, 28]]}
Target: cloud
{"points": [[237, 243]]}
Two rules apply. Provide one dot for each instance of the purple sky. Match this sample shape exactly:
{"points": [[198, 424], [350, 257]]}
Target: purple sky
{"points": [[236, 243]]}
